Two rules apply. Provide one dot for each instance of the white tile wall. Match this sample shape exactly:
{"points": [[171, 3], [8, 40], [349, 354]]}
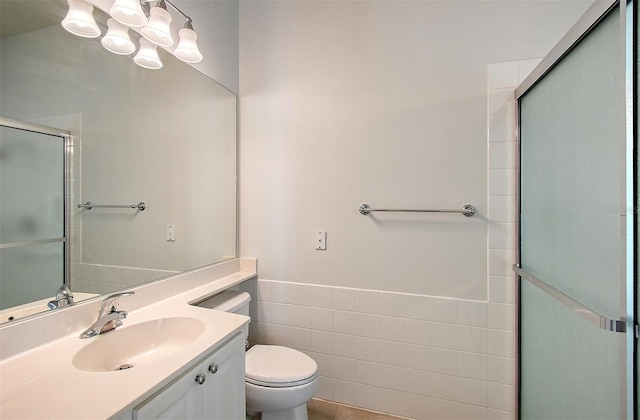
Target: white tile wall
{"points": [[502, 80], [73, 228], [417, 356], [423, 357]]}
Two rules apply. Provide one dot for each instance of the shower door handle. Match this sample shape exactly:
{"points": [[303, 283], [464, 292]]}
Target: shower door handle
{"points": [[614, 325]]}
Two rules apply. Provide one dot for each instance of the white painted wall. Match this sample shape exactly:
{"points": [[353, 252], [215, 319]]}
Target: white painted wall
{"points": [[415, 355], [216, 22], [377, 101], [393, 103]]}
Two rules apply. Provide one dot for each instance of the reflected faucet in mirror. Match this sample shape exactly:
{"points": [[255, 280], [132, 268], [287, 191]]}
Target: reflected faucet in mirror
{"points": [[64, 297], [110, 320]]}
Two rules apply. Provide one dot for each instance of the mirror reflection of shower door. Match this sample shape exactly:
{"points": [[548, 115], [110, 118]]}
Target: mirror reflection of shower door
{"points": [[32, 228], [576, 240]]}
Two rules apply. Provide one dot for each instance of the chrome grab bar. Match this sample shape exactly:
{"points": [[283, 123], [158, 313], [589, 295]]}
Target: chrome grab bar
{"points": [[89, 205], [601, 321], [466, 210]]}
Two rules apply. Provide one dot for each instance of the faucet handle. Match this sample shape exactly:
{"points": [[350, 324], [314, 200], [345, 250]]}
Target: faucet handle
{"points": [[111, 301]]}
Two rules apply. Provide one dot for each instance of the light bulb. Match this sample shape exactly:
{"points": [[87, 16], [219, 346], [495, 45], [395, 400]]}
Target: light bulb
{"points": [[147, 56], [187, 49], [128, 12], [158, 30], [117, 38], [79, 20]]}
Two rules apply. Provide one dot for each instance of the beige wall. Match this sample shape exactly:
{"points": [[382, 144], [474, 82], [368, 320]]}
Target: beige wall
{"points": [[216, 22], [383, 102], [396, 104]]}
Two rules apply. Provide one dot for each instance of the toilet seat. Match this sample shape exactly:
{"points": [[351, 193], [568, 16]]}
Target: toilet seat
{"points": [[278, 367], [280, 385]]}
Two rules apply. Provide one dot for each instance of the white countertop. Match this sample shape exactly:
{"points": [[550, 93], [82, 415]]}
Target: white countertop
{"points": [[42, 382]]}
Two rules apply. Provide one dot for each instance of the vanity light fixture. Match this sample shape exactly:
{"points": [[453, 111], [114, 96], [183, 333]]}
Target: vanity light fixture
{"points": [[158, 30], [117, 38], [154, 23], [79, 20], [128, 12], [187, 49], [147, 56]]}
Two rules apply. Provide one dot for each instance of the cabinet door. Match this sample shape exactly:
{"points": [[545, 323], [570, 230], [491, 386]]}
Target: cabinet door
{"points": [[180, 400], [224, 393]]}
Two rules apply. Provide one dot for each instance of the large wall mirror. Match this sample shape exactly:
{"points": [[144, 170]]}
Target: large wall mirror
{"points": [[164, 137]]}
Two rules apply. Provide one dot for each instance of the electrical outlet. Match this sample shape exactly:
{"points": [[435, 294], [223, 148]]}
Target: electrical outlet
{"points": [[320, 240], [171, 233]]}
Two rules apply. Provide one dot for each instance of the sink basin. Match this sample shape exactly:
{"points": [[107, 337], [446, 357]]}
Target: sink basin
{"points": [[130, 346]]}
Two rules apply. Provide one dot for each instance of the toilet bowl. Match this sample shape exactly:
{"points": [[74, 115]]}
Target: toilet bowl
{"points": [[279, 380]]}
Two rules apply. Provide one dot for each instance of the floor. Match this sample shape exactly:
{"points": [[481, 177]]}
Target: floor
{"points": [[326, 410]]}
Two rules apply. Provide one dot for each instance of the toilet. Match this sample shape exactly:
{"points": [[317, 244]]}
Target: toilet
{"points": [[278, 380]]}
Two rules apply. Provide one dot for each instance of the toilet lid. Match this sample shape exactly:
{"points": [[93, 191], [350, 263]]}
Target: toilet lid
{"points": [[278, 365]]}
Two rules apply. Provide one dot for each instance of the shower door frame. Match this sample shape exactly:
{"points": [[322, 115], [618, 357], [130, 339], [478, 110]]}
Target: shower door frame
{"points": [[628, 19], [67, 159]]}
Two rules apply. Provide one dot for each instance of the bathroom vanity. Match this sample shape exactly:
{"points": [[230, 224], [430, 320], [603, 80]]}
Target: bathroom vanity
{"points": [[213, 389], [169, 358]]}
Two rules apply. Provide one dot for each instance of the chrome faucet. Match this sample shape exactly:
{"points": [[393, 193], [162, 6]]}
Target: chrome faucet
{"points": [[109, 316], [64, 297]]}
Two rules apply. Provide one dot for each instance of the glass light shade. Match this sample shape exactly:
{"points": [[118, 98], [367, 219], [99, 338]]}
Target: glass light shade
{"points": [[128, 12], [147, 56], [79, 20], [187, 49], [158, 30], [117, 38]]}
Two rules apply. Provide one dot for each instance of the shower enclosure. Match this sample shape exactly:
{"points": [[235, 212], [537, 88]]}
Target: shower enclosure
{"points": [[32, 205], [577, 222]]}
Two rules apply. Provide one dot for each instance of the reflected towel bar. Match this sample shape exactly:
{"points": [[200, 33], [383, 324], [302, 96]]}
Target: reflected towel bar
{"points": [[614, 325], [467, 210], [89, 205]]}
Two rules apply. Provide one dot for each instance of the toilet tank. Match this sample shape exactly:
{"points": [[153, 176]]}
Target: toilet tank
{"points": [[231, 301]]}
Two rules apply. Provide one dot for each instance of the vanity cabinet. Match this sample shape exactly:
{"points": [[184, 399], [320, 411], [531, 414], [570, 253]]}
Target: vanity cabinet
{"points": [[213, 389]]}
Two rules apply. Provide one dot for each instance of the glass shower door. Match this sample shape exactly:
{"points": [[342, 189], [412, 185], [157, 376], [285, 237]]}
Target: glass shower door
{"points": [[574, 243], [32, 232]]}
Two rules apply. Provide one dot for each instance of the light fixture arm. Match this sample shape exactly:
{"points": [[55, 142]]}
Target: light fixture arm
{"points": [[184, 15], [189, 24], [146, 5]]}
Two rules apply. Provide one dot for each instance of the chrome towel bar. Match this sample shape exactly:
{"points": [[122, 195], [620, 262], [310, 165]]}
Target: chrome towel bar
{"points": [[89, 205], [466, 210], [615, 325]]}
